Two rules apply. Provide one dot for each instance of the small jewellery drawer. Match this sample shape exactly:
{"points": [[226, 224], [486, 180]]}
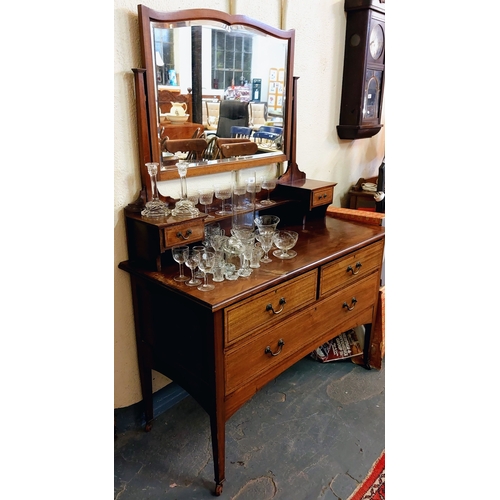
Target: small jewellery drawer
{"points": [[182, 234], [322, 197], [303, 331], [270, 307], [350, 268]]}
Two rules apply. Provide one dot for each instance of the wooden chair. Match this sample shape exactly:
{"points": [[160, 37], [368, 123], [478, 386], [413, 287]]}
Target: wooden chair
{"points": [[236, 147], [193, 147]]}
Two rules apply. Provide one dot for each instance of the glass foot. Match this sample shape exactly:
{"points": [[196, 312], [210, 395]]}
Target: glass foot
{"points": [[285, 255], [266, 260], [155, 209], [267, 202], [206, 288], [192, 282], [181, 278]]}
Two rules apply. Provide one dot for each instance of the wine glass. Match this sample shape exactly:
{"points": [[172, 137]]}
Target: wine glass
{"points": [[240, 190], [180, 254], [266, 241], [254, 187], [268, 185], [192, 262], [285, 240], [223, 192], [206, 198], [199, 249], [207, 260]]}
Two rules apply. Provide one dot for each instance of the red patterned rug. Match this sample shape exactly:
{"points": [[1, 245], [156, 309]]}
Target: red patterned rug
{"points": [[373, 487]]}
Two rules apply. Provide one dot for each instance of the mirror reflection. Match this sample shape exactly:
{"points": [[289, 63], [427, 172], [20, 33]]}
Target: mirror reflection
{"points": [[218, 81]]}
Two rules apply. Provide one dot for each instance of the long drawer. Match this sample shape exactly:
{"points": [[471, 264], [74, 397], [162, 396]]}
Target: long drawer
{"points": [[270, 307], [350, 268], [262, 351]]}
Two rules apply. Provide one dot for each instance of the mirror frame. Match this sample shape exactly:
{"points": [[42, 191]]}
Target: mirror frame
{"points": [[148, 16]]}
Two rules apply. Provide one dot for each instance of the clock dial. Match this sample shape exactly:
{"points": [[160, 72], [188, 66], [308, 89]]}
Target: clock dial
{"points": [[376, 41]]}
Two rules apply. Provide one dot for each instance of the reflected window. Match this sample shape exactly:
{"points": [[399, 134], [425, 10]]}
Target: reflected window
{"points": [[231, 59], [164, 54]]}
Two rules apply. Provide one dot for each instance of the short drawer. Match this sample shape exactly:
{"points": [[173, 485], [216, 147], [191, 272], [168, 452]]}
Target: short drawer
{"points": [[322, 197], [350, 268], [304, 330], [269, 307], [182, 234]]}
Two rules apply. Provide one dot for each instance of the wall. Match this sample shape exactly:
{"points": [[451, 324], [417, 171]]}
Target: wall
{"points": [[319, 50]]}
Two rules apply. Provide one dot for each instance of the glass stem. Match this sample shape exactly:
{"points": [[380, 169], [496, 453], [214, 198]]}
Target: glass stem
{"points": [[154, 188], [180, 270], [183, 188]]}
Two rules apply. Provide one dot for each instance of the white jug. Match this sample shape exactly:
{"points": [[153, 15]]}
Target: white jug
{"points": [[178, 108]]}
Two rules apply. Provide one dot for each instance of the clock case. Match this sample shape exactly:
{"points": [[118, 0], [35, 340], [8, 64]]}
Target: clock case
{"points": [[362, 16]]}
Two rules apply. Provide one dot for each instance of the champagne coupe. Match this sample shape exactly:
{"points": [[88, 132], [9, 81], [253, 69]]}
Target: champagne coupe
{"points": [[268, 185], [206, 198], [155, 207], [266, 241], [180, 254], [223, 192], [285, 240], [207, 261], [192, 262]]}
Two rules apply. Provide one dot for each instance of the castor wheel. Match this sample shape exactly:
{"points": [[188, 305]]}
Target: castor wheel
{"points": [[218, 489], [149, 426]]}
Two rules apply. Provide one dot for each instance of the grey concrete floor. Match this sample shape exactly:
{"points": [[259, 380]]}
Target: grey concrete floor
{"points": [[312, 433]]}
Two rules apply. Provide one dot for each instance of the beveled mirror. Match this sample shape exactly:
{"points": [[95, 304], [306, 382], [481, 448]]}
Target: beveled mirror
{"points": [[200, 56]]}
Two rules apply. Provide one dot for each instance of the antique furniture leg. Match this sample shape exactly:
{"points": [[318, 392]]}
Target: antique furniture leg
{"points": [[367, 346], [144, 358], [217, 426]]}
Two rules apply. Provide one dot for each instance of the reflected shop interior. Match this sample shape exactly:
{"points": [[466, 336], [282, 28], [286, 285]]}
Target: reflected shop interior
{"points": [[216, 81]]}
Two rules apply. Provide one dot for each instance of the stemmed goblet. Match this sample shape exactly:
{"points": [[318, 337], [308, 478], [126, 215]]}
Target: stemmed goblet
{"points": [[223, 192], [285, 240], [206, 196], [268, 185], [180, 254], [266, 241], [207, 261], [192, 262]]}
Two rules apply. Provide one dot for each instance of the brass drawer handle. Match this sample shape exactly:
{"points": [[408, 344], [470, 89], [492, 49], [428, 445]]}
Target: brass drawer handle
{"points": [[358, 267], [186, 236], [353, 302], [267, 350], [282, 303]]}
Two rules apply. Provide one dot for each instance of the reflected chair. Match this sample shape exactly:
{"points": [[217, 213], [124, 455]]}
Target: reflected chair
{"points": [[236, 147], [269, 128], [267, 139], [212, 112], [241, 132], [192, 148], [232, 113], [257, 113]]}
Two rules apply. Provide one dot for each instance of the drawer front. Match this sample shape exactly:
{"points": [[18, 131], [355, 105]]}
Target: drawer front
{"points": [[270, 307], [305, 329], [183, 234], [350, 268], [322, 197]]}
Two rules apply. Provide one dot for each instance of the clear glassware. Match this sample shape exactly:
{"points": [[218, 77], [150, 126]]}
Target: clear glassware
{"points": [[198, 249], [206, 196], [207, 261], [266, 240], [155, 207], [184, 207], [285, 240], [268, 185], [223, 192], [267, 223], [240, 190], [180, 254], [192, 262], [254, 186]]}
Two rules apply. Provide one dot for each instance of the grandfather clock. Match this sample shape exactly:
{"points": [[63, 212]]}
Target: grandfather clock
{"points": [[364, 66]]}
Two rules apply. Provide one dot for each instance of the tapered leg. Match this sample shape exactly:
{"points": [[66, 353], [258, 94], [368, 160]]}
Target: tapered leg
{"points": [[219, 450], [367, 346]]}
